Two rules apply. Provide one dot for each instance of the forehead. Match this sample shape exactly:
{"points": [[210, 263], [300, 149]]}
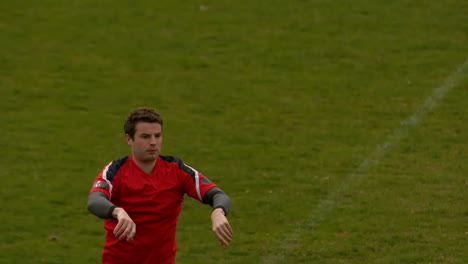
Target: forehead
{"points": [[147, 128]]}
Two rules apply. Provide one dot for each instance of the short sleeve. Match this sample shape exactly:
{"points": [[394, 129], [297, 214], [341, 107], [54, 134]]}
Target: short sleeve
{"points": [[195, 184], [101, 183], [105, 180]]}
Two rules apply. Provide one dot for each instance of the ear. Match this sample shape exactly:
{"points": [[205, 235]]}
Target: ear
{"points": [[129, 139]]}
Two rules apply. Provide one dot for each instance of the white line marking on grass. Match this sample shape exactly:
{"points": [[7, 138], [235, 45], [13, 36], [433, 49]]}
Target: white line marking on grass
{"points": [[326, 205]]}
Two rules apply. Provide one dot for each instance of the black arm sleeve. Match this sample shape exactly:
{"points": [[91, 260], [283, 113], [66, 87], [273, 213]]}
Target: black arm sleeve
{"points": [[217, 199], [99, 205]]}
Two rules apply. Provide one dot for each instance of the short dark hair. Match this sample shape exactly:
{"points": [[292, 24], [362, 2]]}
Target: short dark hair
{"points": [[141, 114]]}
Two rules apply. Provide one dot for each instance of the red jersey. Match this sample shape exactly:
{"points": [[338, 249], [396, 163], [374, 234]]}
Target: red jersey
{"points": [[153, 201]]}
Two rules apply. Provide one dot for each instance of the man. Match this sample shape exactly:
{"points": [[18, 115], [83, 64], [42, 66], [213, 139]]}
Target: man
{"points": [[140, 196]]}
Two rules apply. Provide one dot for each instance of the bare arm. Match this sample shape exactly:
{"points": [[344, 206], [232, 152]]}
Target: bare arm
{"points": [[221, 227], [126, 227]]}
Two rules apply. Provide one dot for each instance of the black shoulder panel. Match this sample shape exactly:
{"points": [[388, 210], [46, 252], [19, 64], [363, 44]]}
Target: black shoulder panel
{"points": [[114, 167], [180, 164]]}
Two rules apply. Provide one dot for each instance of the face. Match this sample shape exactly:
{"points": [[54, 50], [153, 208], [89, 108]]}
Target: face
{"points": [[146, 144]]}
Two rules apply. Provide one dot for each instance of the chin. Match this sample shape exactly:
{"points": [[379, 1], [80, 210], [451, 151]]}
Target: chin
{"points": [[153, 157]]}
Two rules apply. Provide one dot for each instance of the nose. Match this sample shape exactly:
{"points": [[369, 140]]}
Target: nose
{"points": [[153, 140]]}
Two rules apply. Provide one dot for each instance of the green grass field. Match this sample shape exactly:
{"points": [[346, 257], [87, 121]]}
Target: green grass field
{"points": [[323, 120]]}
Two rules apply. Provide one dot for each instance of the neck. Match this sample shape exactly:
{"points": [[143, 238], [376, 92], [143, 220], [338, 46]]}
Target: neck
{"points": [[146, 166]]}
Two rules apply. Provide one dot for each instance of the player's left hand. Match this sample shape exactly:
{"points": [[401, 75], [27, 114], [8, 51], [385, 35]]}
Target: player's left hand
{"points": [[221, 227]]}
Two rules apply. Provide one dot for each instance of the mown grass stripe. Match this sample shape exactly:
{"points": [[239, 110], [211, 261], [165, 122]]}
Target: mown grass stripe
{"points": [[326, 205]]}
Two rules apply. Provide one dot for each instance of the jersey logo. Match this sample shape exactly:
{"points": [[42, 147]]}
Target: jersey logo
{"points": [[100, 184]]}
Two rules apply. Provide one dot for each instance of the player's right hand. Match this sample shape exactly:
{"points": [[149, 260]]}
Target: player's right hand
{"points": [[125, 226]]}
